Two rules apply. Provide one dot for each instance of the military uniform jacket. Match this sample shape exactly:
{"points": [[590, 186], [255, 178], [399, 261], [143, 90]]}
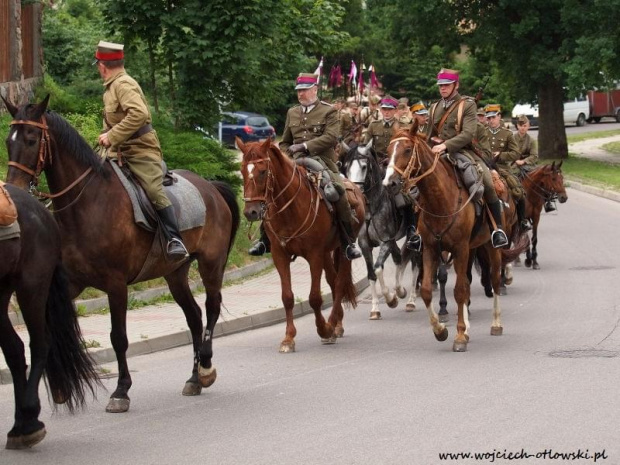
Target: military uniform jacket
{"points": [[367, 116], [380, 132], [456, 139], [528, 148], [126, 111], [318, 129], [501, 140], [347, 123], [481, 143]]}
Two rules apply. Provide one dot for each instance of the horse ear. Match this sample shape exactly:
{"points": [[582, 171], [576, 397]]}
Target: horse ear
{"points": [[9, 106], [553, 166], [240, 144], [559, 165], [266, 144], [413, 130], [345, 146], [41, 107], [369, 144]]}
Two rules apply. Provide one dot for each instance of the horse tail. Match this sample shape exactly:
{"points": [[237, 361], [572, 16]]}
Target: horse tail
{"points": [[70, 370], [349, 291], [231, 200], [520, 243]]}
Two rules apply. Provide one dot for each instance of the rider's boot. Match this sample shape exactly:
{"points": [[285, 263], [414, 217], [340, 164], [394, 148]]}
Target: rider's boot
{"points": [[262, 245], [175, 247], [414, 240], [498, 236], [347, 237], [524, 224]]}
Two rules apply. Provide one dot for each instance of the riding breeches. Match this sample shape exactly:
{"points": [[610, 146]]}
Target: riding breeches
{"points": [[147, 169], [487, 180]]}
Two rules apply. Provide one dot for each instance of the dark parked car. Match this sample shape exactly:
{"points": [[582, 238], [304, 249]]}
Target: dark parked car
{"points": [[249, 127]]}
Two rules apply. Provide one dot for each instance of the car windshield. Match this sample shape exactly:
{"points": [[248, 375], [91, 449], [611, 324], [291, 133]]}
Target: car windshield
{"points": [[257, 122]]}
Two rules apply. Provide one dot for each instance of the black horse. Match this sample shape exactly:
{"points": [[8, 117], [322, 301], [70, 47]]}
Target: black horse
{"points": [[31, 267], [383, 226]]}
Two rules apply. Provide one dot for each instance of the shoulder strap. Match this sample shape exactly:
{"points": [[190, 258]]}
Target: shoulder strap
{"points": [[448, 113]]}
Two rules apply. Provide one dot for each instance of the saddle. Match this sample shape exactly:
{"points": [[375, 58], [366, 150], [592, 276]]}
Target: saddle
{"points": [[8, 211]]}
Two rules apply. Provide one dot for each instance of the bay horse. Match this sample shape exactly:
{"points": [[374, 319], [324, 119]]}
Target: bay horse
{"points": [[447, 222], [102, 246], [279, 192], [383, 226], [543, 184], [31, 267]]}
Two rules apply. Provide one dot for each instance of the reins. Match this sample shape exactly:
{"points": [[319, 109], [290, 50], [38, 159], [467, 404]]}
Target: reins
{"points": [[45, 155], [540, 191]]}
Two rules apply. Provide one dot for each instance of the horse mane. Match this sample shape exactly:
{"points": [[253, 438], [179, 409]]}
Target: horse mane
{"points": [[67, 138]]}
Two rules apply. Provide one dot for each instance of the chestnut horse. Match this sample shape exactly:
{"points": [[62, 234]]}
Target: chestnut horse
{"points": [[31, 268], [543, 184], [298, 222], [447, 222], [102, 246]]}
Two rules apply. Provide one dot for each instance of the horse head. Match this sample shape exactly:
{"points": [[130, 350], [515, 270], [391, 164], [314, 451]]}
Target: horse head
{"points": [[361, 166], [554, 181], [28, 143], [404, 158]]}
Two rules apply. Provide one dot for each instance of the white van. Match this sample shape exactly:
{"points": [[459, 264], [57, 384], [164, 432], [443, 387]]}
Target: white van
{"points": [[576, 112]]}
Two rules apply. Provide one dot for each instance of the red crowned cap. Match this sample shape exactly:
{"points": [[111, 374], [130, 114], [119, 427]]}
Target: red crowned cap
{"points": [[109, 51], [447, 76], [306, 81]]}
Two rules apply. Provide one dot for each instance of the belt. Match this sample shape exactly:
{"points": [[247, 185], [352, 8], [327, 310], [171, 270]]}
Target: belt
{"points": [[140, 132]]}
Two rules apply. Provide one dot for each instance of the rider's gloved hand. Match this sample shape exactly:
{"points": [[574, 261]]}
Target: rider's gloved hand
{"points": [[296, 148]]}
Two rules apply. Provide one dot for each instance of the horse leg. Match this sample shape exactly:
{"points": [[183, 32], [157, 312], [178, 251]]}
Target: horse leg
{"points": [[535, 265], [390, 297], [366, 249], [182, 294], [283, 265], [400, 290], [502, 281], [426, 291], [117, 298], [508, 277], [327, 329], [495, 263], [442, 278], [14, 354], [32, 304], [461, 296]]}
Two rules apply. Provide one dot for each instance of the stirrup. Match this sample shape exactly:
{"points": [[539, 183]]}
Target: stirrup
{"points": [[258, 249], [414, 242], [351, 252], [176, 248], [499, 239]]}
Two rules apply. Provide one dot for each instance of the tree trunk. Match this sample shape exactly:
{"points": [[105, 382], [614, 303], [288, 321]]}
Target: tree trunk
{"points": [[153, 80], [552, 142]]}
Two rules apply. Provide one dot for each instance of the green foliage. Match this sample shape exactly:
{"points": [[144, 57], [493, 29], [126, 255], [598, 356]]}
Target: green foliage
{"points": [[592, 172]]}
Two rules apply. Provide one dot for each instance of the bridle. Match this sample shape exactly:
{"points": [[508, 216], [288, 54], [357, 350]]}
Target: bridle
{"points": [[268, 199], [44, 156], [546, 194]]}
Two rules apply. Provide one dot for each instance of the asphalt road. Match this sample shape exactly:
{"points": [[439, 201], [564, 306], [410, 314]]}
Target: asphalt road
{"points": [[388, 393], [606, 124]]}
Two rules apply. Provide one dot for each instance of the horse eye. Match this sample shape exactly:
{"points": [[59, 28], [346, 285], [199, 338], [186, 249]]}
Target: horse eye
{"points": [[31, 143]]}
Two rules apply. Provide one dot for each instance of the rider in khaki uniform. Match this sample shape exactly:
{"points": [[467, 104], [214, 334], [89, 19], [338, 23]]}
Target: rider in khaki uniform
{"points": [[505, 151], [127, 129], [370, 113], [349, 123], [311, 130], [420, 113], [456, 135], [381, 131]]}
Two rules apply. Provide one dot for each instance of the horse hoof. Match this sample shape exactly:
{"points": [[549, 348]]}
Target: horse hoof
{"points": [[191, 389], [401, 292], [497, 330], [536, 266], [116, 405], [528, 263], [375, 316], [339, 331], [444, 317], [410, 307], [206, 376], [393, 303], [459, 347], [287, 347], [442, 336], [508, 281], [329, 340], [25, 441]]}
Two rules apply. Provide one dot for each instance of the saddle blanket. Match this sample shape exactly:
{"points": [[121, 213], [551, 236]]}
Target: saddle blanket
{"points": [[185, 197], [10, 232]]}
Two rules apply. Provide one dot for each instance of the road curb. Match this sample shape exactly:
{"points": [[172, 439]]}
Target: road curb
{"points": [[598, 191]]}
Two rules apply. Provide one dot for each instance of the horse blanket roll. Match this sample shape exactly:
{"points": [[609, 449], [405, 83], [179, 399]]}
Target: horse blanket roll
{"points": [[8, 212]]}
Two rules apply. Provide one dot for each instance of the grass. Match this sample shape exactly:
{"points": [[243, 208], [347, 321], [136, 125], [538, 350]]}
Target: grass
{"points": [[591, 135], [612, 147], [604, 175]]}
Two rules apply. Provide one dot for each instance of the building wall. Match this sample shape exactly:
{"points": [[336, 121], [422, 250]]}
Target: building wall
{"points": [[21, 54]]}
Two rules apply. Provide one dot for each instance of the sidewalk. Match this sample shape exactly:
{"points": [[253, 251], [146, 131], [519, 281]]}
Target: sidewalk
{"points": [[247, 304]]}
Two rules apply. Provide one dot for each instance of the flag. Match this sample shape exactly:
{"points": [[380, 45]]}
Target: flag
{"points": [[374, 82], [338, 76], [361, 84], [353, 73], [319, 71], [331, 81]]}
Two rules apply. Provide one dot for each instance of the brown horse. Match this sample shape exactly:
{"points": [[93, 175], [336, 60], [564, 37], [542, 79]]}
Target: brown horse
{"points": [[298, 223], [447, 222], [543, 184], [102, 246]]}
